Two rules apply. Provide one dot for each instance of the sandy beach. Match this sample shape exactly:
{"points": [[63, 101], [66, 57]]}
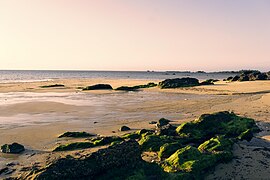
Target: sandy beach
{"points": [[35, 116]]}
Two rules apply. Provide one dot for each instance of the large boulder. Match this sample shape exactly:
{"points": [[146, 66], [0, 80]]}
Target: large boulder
{"points": [[98, 87], [13, 148], [124, 155], [179, 82]]}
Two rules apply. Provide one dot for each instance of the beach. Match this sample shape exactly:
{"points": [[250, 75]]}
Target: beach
{"points": [[35, 116]]}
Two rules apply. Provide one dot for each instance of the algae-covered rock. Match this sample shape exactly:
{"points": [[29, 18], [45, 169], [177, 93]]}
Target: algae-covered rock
{"points": [[210, 125], [76, 134], [189, 159], [98, 87], [168, 149], [153, 142], [13, 148], [137, 134], [247, 135], [168, 130], [74, 146], [124, 155], [179, 82], [98, 141], [219, 143]]}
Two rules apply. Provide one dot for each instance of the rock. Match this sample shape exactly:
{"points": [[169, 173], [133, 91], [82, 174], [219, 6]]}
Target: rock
{"points": [[168, 130], [124, 128], [153, 122], [153, 142], [126, 88], [76, 134], [251, 75], [135, 88], [179, 82], [163, 122], [235, 78], [124, 155], [6, 171], [13, 148], [53, 85], [168, 149], [247, 135], [216, 144], [229, 78], [209, 125], [98, 87], [208, 82], [189, 159]]}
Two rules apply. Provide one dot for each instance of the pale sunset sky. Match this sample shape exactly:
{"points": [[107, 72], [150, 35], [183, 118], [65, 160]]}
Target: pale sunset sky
{"points": [[208, 35]]}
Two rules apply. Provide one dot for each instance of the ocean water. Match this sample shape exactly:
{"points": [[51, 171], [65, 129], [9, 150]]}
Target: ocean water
{"points": [[7, 76]]}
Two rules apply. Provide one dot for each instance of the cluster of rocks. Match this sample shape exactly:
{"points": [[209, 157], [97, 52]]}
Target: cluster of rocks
{"points": [[127, 155], [187, 151], [13, 148], [250, 76]]}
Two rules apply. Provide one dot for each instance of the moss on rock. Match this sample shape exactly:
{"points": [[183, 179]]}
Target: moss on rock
{"points": [[76, 134], [153, 142]]}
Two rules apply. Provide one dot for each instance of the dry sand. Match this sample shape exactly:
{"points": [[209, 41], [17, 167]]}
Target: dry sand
{"points": [[251, 99]]}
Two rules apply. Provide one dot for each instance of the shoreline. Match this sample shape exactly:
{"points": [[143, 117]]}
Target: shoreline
{"points": [[250, 99]]}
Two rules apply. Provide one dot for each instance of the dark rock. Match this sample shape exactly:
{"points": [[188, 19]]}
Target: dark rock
{"points": [[163, 122], [124, 128], [251, 75], [126, 88], [13, 148], [235, 78], [126, 154], [135, 88], [98, 87], [153, 122], [229, 78], [53, 85], [208, 82], [76, 134], [167, 129], [179, 82]]}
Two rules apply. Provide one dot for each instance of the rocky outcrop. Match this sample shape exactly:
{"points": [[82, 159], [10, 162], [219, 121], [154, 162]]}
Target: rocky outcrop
{"points": [[179, 82], [13, 148], [250, 76], [126, 154], [98, 87]]}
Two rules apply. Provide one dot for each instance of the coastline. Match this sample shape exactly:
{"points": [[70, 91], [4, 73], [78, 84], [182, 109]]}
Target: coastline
{"points": [[250, 99]]}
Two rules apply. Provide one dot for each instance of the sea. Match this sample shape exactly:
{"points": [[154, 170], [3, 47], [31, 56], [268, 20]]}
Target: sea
{"points": [[8, 76]]}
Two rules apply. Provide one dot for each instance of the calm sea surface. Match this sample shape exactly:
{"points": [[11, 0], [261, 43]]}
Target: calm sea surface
{"points": [[29, 75]]}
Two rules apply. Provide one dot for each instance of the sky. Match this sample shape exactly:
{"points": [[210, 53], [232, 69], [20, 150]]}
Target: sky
{"points": [[209, 35]]}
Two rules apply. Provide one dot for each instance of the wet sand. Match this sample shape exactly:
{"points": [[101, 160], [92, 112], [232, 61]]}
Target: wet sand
{"points": [[35, 116]]}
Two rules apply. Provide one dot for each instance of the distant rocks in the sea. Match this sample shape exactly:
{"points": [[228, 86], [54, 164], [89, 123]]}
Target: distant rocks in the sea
{"points": [[14, 148], [98, 87], [249, 76], [178, 82], [53, 85]]}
